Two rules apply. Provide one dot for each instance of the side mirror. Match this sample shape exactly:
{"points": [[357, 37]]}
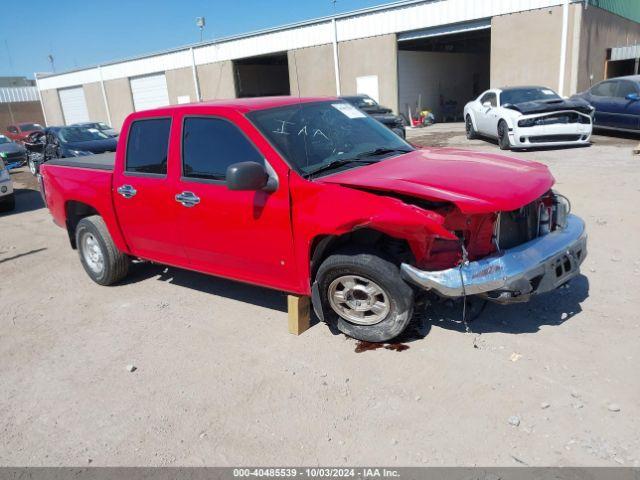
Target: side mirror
{"points": [[247, 176], [633, 97], [487, 105]]}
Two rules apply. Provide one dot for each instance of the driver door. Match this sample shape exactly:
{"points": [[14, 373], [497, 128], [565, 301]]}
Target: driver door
{"points": [[243, 235], [488, 115]]}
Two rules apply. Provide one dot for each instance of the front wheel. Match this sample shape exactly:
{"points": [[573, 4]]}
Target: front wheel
{"points": [[364, 295], [100, 257], [8, 203], [503, 136], [33, 167], [470, 129]]}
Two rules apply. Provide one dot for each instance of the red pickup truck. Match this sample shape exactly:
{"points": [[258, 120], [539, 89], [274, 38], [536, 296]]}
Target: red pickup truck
{"points": [[313, 197]]}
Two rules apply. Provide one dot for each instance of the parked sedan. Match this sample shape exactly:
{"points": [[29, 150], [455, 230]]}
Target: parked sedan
{"points": [[20, 131], [12, 152], [7, 197], [384, 115], [528, 117], [616, 103], [100, 126], [71, 141]]}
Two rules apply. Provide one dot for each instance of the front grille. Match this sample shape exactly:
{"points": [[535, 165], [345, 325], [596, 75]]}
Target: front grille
{"points": [[555, 119], [554, 138], [518, 226]]}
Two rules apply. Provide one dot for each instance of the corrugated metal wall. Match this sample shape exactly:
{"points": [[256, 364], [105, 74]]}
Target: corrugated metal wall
{"points": [[625, 8], [395, 18]]}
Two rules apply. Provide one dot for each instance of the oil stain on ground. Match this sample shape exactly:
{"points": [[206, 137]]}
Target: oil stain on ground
{"points": [[362, 346]]}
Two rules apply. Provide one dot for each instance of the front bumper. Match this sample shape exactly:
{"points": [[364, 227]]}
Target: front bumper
{"points": [[550, 135], [538, 266]]}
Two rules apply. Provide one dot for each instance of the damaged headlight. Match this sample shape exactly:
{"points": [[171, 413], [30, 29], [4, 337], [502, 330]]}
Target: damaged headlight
{"points": [[562, 208], [528, 122]]}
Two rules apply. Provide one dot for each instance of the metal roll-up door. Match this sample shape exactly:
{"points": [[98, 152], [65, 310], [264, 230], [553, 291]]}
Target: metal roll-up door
{"points": [[74, 105], [149, 92]]}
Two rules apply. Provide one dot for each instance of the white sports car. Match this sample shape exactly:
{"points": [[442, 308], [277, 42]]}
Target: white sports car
{"points": [[528, 117]]}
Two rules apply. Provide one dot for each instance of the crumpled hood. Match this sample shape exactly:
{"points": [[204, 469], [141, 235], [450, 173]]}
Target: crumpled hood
{"points": [[543, 106], [475, 182]]}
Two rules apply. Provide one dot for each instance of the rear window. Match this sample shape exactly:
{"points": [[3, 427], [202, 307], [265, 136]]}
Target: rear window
{"points": [[148, 146]]}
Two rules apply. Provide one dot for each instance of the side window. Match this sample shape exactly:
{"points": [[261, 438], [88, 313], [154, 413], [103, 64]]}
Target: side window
{"points": [[210, 145], [604, 89], [148, 145], [625, 88], [489, 97], [12, 129]]}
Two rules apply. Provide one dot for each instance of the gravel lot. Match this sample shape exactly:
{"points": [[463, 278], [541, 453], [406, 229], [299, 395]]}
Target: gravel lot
{"points": [[219, 381]]}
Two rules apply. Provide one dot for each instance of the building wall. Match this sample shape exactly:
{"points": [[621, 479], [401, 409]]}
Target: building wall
{"points": [[601, 30], [180, 83], [371, 56], [216, 80], [311, 71], [435, 77], [17, 112], [95, 102], [120, 100], [52, 107]]}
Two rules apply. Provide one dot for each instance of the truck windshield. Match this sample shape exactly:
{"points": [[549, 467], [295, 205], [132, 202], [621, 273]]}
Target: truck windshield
{"points": [[81, 134], [320, 137]]}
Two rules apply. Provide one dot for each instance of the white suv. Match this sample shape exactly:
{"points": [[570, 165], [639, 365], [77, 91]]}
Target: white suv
{"points": [[7, 198]]}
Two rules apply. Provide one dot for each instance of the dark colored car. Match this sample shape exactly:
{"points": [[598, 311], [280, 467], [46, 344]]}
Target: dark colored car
{"points": [[384, 115], [100, 126], [617, 103], [20, 131], [71, 141], [12, 152]]}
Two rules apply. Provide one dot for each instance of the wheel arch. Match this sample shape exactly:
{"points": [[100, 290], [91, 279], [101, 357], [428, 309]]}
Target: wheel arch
{"points": [[74, 212]]}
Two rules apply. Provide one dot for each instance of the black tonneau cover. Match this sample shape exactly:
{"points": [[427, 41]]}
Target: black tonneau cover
{"points": [[101, 161], [543, 106]]}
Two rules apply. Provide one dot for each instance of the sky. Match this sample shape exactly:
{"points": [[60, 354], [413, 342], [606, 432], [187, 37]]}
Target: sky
{"points": [[80, 33]]}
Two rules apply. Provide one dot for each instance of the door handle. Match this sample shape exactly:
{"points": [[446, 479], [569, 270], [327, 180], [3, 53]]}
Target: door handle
{"points": [[188, 199], [127, 191]]}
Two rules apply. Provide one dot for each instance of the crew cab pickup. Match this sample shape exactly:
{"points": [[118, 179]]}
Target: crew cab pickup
{"points": [[313, 197]]}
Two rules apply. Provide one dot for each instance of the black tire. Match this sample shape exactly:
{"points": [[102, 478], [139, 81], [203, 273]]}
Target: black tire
{"points": [[503, 135], [8, 203], [34, 167], [381, 272], [115, 264], [470, 130]]}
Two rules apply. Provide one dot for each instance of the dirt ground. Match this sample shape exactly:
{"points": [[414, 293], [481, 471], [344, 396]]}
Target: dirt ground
{"points": [[219, 381]]}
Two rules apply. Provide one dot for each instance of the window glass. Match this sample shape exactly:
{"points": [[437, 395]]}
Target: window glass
{"points": [[522, 95], [12, 129], [210, 145], [604, 89], [148, 145], [625, 88], [489, 97], [325, 134]]}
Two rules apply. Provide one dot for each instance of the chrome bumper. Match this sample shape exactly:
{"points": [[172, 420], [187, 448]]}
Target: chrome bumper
{"points": [[538, 266]]}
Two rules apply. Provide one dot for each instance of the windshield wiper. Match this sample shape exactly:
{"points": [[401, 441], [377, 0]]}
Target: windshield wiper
{"points": [[380, 151], [335, 164]]}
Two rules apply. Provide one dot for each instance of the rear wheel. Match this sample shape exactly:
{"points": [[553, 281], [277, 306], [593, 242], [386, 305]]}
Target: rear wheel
{"points": [[470, 130], [503, 136], [101, 259], [364, 295]]}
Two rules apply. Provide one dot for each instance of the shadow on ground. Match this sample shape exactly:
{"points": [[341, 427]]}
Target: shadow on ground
{"points": [[221, 287], [553, 308], [26, 201]]}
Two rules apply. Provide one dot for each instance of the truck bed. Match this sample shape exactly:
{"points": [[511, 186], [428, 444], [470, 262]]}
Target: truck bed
{"points": [[100, 161]]}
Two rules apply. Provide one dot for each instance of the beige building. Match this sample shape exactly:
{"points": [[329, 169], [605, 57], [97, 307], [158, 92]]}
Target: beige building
{"points": [[410, 56]]}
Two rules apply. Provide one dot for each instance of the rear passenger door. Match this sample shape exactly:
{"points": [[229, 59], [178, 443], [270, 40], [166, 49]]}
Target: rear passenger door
{"points": [[244, 235], [143, 193]]}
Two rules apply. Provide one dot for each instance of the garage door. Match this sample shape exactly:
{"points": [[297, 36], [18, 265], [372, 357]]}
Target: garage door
{"points": [[149, 92], [74, 105]]}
